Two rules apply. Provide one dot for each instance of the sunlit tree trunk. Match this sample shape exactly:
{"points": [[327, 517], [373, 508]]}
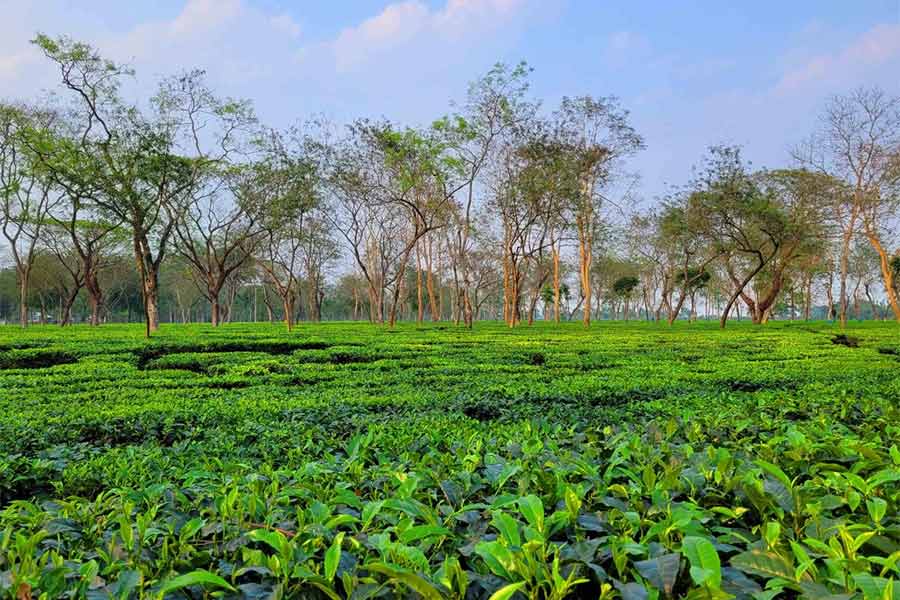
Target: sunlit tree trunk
{"points": [[554, 247], [887, 273]]}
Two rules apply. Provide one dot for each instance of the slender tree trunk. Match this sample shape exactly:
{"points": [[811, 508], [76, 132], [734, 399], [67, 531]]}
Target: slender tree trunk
{"points": [[215, 311], [532, 307], [829, 296], [737, 293], [675, 310], [420, 293], [869, 300], [807, 299], [584, 253], [24, 276], [556, 282], [66, 309], [429, 283], [507, 286], [887, 273], [440, 291], [845, 267], [288, 305], [270, 313], [398, 290], [95, 295]]}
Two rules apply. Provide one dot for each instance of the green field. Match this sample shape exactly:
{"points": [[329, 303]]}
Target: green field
{"points": [[353, 461]]}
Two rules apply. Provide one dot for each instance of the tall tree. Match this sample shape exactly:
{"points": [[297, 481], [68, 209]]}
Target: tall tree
{"points": [[138, 166], [91, 237], [686, 256], [600, 135], [318, 253], [390, 187], [518, 197], [217, 234], [859, 144], [26, 194], [283, 189], [754, 227], [494, 104]]}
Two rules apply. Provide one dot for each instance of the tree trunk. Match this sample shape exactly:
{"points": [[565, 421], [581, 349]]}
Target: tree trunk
{"points": [[532, 307], [675, 310], [215, 311], [887, 273], [829, 296], [288, 304], [845, 267], [66, 310], [554, 248], [95, 296], [24, 276], [429, 281], [398, 291], [151, 299], [420, 293], [807, 300], [584, 253], [149, 274], [506, 287], [737, 293], [270, 313], [871, 302]]}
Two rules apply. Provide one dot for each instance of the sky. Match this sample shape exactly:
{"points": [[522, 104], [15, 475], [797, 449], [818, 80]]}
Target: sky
{"points": [[692, 74]]}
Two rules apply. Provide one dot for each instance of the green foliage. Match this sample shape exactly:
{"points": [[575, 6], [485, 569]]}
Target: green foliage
{"points": [[695, 278], [624, 286], [635, 461]]}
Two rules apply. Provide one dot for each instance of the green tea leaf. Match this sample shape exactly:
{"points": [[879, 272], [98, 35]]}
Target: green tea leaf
{"points": [[198, 577], [507, 591], [333, 556], [411, 580], [661, 572], [532, 509], [764, 563], [705, 566], [419, 532]]}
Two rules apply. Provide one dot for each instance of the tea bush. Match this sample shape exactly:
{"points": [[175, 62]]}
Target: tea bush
{"points": [[350, 461]]}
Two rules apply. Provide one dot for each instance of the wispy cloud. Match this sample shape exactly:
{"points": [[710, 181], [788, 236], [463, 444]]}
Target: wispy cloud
{"points": [[401, 22], [286, 23], [874, 48]]}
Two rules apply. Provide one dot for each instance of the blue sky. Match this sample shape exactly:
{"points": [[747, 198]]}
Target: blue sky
{"points": [[692, 73]]}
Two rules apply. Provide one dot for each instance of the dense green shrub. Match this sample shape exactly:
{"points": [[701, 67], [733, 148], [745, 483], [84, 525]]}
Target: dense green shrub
{"points": [[630, 461]]}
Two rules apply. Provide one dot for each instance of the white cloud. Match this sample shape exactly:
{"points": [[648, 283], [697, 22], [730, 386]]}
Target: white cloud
{"points": [[875, 48], [287, 24], [237, 43], [203, 15], [401, 22]]}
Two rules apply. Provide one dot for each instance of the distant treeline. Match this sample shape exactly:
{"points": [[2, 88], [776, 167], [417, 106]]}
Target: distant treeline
{"points": [[185, 208]]}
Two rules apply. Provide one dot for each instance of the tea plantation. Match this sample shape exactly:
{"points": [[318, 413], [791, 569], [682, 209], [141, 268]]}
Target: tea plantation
{"points": [[352, 461]]}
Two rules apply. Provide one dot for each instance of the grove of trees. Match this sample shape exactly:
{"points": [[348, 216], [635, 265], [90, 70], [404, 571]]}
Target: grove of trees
{"points": [[184, 207]]}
